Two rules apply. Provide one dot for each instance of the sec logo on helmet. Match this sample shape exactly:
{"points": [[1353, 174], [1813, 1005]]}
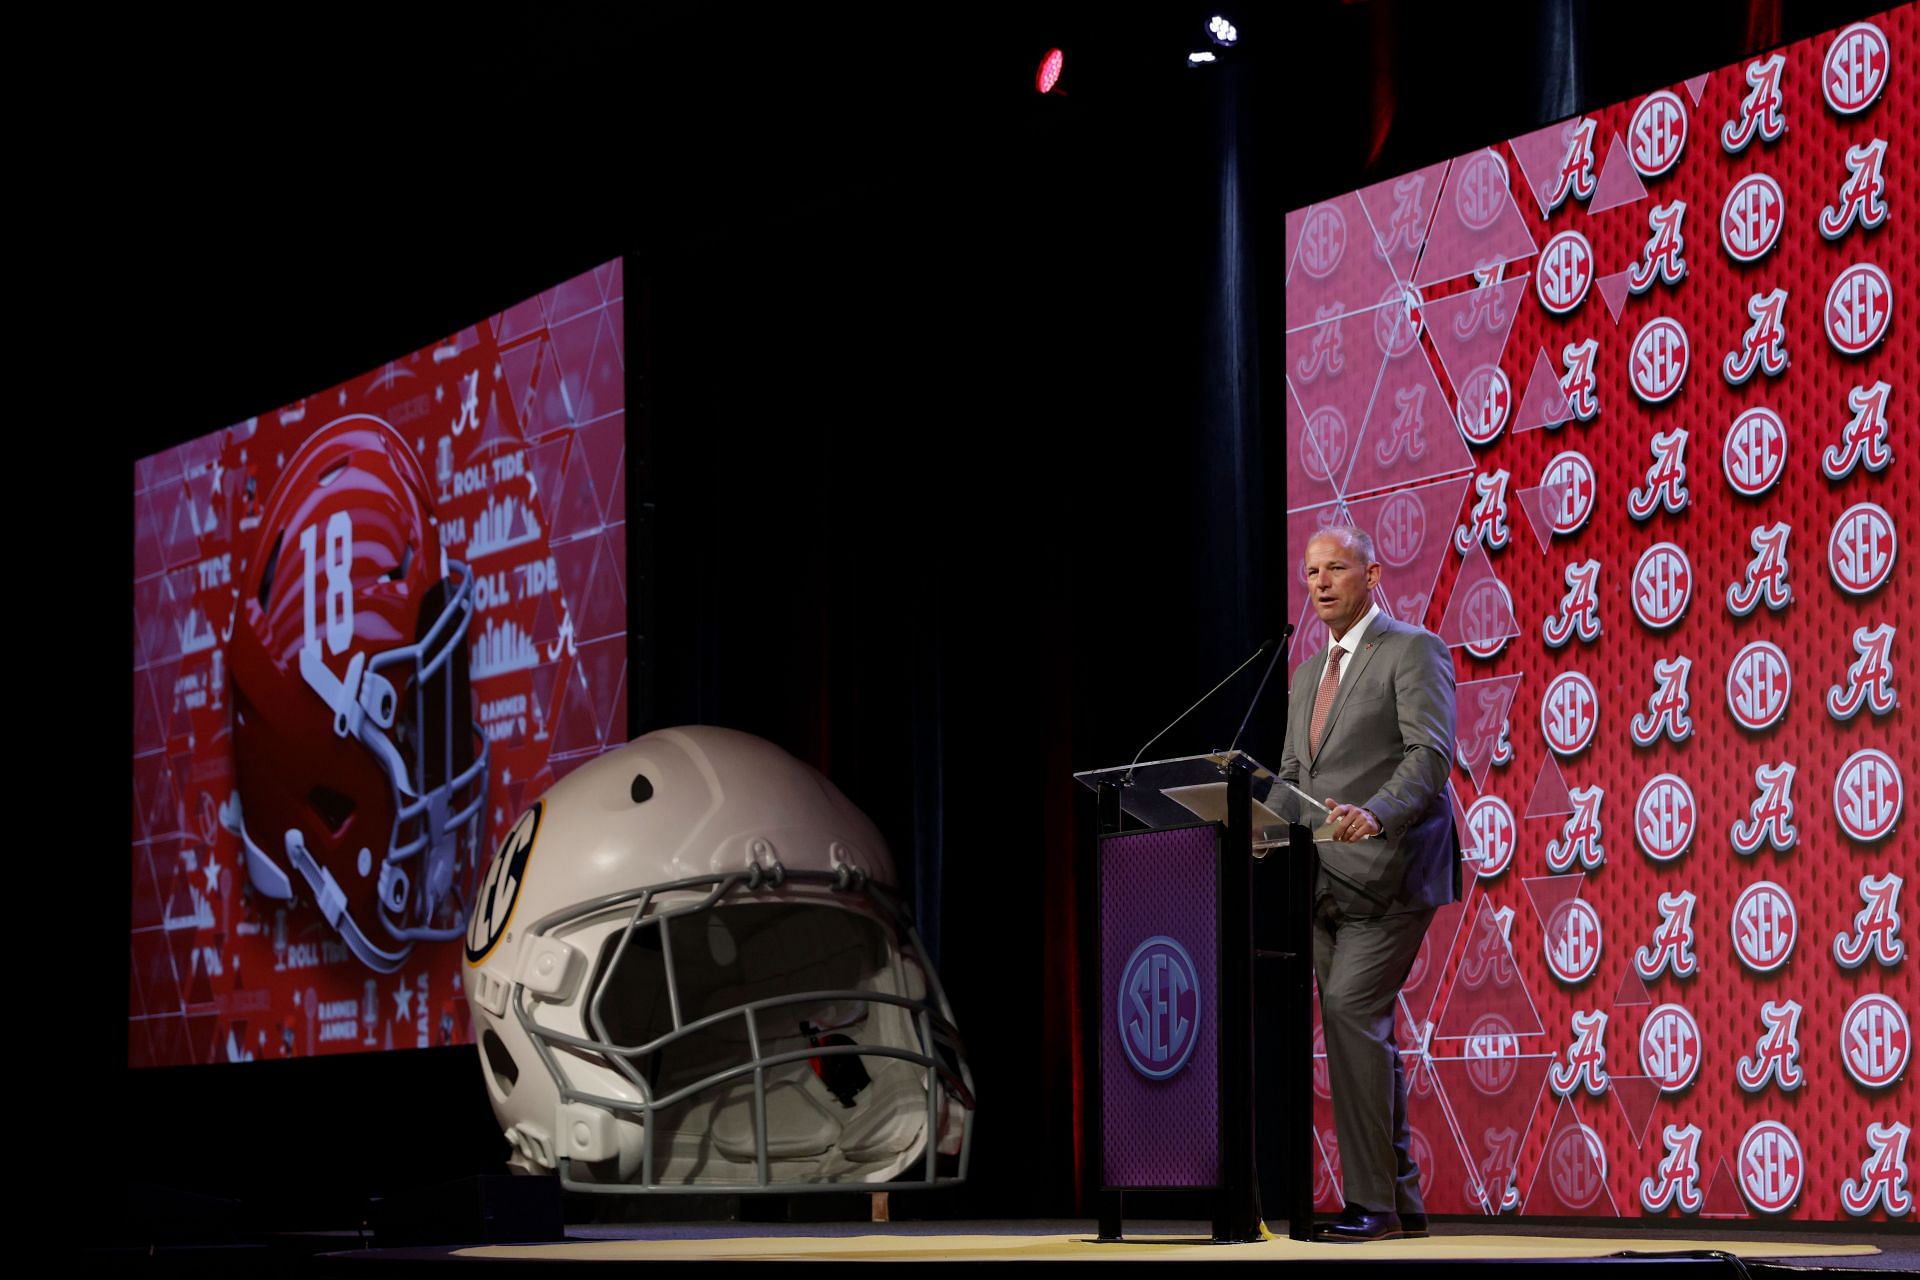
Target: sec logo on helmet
{"points": [[1665, 817], [1862, 548], [1765, 926], [1573, 941], [1751, 218], [1771, 1167], [1569, 713], [1566, 272], [1759, 683], [1875, 1040], [1670, 1047], [1855, 69], [1867, 794], [1662, 585], [1657, 134], [1859, 309], [1755, 454]]}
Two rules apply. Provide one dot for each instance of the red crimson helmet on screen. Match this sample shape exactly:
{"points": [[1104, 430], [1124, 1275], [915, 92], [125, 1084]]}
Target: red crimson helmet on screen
{"points": [[362, 775]]}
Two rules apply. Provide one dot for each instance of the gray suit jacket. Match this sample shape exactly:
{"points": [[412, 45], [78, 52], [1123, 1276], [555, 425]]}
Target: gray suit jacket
{"points": [[1387, 746]]}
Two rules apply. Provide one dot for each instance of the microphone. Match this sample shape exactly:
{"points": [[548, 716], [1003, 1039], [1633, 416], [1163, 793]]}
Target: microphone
{"points": [[1251, 659], [1267, 675]]}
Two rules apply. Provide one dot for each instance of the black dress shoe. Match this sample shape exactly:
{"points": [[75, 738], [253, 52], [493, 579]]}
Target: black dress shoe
{"points": [[1413, 1225], [1356, 1225]]}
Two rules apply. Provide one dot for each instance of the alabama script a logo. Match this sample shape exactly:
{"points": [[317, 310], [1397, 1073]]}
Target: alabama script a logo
{"points": [[1862, 196], [1488, 521], [1863, 441], [1678, 1181], [1884, 1176], [1870, 679], [1579, 613], [1876, 926], [1666, 486], [1664, 258], [1672, 945], [1776, 1055], [1666, 711], [1766, 579], [1586, 1064], [1576, 177], [1325, 355], [1763, 348], [1578, 382], [1578, 843], [1407, 222], [1761, 113], [1769, 819]]}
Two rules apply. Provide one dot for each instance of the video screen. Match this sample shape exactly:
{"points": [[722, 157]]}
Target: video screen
{"points": [[1624, 403], [369, 629]]}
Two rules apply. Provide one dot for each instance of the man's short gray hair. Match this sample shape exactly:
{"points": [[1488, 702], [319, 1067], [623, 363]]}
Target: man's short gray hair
{"points": [[1357, 540]]}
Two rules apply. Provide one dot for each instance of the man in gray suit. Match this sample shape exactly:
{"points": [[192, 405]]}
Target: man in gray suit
{"points": [[1370, 731]]}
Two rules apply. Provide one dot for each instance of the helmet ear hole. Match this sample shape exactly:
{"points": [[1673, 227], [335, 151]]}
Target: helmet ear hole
{"points": [[504, 1071], [642, 788]]}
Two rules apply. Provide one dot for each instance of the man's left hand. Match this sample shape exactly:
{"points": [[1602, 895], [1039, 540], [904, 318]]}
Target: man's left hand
{"points": [[1351, 822]]}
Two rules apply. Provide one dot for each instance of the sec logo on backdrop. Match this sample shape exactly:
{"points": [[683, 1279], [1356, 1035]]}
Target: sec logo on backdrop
{"points": [[1323, 445], [1875, 1040], [1662, 585], [1572, 475], [1867, 794], [1862, 548], [1657, 363], [1573, 941], [1665, 816], [1577, 1166], [1323, 241], [1771, 1167], [1491, 834], [1859, 308], [1759, 683], [1755, 454], [1765, 927], [1486, 398], [1856, 68], [1569, 713], [1751, 218], [1566, 272], [1492, 1052], [1487, 610], [1670, 1047], [1657, 134]]}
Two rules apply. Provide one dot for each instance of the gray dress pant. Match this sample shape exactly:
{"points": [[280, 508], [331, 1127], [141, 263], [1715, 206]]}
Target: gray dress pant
{"points": [[1361, 962]]}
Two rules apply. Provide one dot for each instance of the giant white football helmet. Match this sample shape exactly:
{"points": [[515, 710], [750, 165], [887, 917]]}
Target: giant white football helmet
{"points": [[689, 972]]}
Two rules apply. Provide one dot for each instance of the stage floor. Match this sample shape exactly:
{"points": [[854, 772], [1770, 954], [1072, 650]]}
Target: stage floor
{"points": [[1072, 1242]]}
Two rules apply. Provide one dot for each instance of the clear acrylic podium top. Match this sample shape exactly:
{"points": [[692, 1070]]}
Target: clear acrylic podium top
{"points": [[1166, 793]]}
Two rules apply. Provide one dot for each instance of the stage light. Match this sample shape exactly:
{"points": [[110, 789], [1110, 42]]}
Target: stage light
{"points": [[1197, 59], [1049, 73], [1220, 31]]}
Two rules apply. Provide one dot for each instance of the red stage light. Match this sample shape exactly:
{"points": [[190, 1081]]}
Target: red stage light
{"points": [[1049, 73]]}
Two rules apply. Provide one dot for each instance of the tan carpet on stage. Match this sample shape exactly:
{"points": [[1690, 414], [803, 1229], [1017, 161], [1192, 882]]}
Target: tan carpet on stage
{"points": [[881, 1247]]}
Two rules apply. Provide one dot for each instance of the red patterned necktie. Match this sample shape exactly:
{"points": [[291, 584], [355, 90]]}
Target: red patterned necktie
{"points": [[1323, 701]]}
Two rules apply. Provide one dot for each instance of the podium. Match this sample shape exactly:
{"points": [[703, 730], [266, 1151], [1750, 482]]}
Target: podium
{"points": [[1197, 900]]}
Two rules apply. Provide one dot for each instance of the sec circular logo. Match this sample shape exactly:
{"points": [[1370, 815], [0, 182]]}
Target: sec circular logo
{"points": [[1492, 1052], [1396, 321], [1755, 454], [1662, 585], [1486, 398], [1566, 272], [1751, 218], [1323, 445], [1480, 193], [1491, 835], [1486, 610], [1772, 1167], [1577, 1166], [1158, 1010], [1572, 475], [1573, 941], [1657, 362], [1665, 816], [1759, 682], [1400, 530], [1323, 241], [1867, 794], [1862, 548], [1855, 70], [1569, 713], [1670, 1047], [493, 904], [1765, 926], [1657, 134], [1875, 1040], [1859, 309]]}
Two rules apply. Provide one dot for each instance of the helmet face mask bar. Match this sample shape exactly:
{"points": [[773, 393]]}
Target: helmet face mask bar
{"points": [[690, 973], [647, 934]]}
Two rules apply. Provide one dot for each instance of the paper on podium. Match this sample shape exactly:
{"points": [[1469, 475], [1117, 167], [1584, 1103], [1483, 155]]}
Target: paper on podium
{"points": [[1298, 806]]}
